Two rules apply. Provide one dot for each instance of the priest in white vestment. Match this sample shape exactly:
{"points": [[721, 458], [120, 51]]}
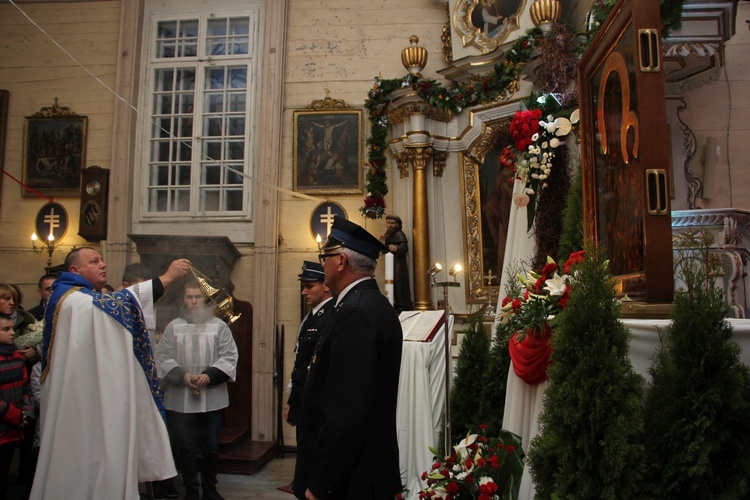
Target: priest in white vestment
{"points": [[102, 423]]}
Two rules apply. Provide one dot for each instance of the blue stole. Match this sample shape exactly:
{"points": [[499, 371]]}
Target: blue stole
{"points": [[123, 308]]}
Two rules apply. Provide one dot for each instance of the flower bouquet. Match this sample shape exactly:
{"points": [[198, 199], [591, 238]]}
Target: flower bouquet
{"points": [[32, 336], [531, 315], [479, 468], [535, 141]]}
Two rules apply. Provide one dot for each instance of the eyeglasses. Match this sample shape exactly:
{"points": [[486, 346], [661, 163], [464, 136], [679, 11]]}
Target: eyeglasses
{"points": [[322, 257]]}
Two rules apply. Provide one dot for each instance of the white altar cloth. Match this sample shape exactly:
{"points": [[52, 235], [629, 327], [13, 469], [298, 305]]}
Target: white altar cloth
{"points": [[523, 402], [421, 397]]}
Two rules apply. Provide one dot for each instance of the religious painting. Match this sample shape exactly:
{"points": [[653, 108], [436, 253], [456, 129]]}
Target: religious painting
{"points": [[54, 152], [328, 151], [625, 151], [496, 195], [488, 193], [486, 24]]}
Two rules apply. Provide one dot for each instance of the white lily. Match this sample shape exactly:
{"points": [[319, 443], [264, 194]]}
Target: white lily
{"points": [[554, 142], [462, 448], [575, 116], [555, 285]]}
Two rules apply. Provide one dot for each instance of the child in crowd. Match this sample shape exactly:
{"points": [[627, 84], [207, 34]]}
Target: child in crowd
{"points": [[16, 404]]}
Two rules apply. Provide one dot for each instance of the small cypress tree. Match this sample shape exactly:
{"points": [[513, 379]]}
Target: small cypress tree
{"points": [[590, 441], [698, 406], [471, 368]]}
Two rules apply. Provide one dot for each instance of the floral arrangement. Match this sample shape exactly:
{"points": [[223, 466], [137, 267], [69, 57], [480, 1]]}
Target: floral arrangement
{"points": [[453, 99], [478, 468], [544, 295], [32, 336], [528, 316], [535, 141]]}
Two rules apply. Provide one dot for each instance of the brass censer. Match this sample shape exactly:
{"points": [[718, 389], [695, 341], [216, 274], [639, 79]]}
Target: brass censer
{"points": [[220, 298]]}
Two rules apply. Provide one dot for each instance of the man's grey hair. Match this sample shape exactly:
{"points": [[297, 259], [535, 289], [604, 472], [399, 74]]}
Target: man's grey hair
{"points": [[361, 264]]}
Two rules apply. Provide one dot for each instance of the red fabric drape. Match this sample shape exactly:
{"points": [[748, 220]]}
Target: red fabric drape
{"points": [[530, 356]]}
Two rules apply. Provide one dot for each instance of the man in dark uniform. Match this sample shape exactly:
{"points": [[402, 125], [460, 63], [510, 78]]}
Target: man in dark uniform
{"points": [[347, 436], [318, 296]]}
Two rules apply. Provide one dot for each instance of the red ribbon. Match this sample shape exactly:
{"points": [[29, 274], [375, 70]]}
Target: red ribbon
{"points": [[530, 356], [26, 187]]}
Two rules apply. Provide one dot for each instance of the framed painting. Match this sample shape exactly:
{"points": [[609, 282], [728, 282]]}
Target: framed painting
{"points": [[54, 151], [328, 151], [4, 97], [487, 24]]}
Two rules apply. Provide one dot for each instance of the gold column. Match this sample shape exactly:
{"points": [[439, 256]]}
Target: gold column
{"points": [[419, 156]]}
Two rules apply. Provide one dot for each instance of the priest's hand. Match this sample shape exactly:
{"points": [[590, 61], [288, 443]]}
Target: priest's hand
{"points": [[177, 269], [309, 495]]}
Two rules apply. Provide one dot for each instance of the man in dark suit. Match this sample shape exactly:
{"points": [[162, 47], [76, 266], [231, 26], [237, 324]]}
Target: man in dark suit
{"points": [[44, 289], [318, 296], [347, 446]]}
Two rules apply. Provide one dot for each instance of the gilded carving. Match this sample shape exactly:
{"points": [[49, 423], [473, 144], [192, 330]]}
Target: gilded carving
{"points": [[616, 64], [402, 161], [439, 159], [402, 114], [480, 23], [328, 103], [419, 156]]}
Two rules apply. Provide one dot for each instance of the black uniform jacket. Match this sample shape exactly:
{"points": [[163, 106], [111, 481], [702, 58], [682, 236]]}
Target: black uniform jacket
{"points": [[347, 435], [310, 331]]}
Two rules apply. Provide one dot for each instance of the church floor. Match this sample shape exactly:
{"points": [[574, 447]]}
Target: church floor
{"points": [[262, 485]]}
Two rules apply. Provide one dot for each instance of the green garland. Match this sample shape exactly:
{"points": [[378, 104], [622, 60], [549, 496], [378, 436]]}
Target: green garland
{"points": [[454, 99], [464, 95]]}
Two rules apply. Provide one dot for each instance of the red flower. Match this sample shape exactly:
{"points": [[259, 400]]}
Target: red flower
{"points": [[481, 462], [526, 294], [489, 488], [573, 259], [424, 475], [523, 126], [549, 269], [505, 301], [495, 461], [516, 304], [539, 285], [511, 448], [452, 488], [469, 463], [484, 427]]}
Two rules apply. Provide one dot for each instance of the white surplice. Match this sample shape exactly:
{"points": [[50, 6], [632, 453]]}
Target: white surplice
{"points": [[102, 432], [196, 347]]}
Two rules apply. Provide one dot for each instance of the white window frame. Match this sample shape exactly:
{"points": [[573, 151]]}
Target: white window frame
{"points": [[194, 221]]}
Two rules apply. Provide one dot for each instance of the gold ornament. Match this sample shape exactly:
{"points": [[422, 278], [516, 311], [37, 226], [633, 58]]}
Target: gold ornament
{"points": [[414, 58], [544, 13]]}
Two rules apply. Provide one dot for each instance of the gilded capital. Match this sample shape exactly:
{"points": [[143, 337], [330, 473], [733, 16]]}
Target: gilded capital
{"points": [[419, 156]]}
